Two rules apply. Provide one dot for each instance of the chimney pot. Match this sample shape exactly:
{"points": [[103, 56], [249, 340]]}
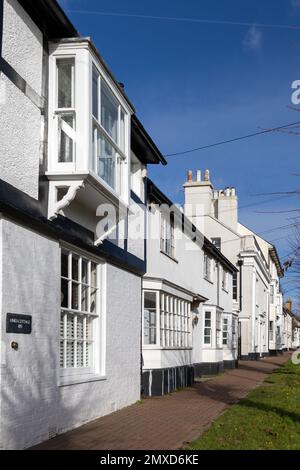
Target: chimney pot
{"points": [[190, 176], [198, 175], [206, 175]]}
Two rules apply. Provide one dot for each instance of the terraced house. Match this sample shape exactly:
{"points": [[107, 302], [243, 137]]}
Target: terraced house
{"points": [[257, 298], [70, 291], [107, 289]]}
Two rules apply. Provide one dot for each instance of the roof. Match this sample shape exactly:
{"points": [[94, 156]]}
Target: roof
{"points": [[275, 258], [156, 195], [142, 144], [50, 18], [56, 26]]}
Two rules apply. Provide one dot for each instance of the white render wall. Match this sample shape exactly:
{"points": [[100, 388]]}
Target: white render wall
{"points": [[22, 44], [20, 119], [185, 272], [33, 406]]}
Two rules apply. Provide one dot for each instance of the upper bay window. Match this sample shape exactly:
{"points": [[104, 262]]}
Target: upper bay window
{"points": [[89, 126]]}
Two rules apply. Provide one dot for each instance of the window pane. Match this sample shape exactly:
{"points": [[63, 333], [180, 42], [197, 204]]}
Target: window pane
{"points": [[75, 297], [93, 274], [79, 354], [65, 73], [75, 267], [80, 327], [84, 298], [70, 354], [95, 93], [122, 131], [93, 307], [64, 264], [64, 293], [84, 270], [150, 300], [109, 112], [70, 326], [106, 161], [66, 143]]}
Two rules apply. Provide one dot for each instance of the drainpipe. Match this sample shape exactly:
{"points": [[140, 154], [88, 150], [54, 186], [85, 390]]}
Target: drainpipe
{"points": [[240, 264]]}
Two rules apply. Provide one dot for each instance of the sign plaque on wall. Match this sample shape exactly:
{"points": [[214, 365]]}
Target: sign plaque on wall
{"points": [[16, 323]]}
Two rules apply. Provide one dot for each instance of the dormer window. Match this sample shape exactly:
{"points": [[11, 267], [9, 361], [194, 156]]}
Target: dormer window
{"points": [[108, 132]]}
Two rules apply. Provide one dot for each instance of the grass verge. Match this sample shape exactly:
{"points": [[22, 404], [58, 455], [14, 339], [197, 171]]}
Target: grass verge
{"points": [[268, 418]]}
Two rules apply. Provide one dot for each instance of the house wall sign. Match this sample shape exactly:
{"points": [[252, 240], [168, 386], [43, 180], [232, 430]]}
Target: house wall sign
{"points": [[20, 324]]}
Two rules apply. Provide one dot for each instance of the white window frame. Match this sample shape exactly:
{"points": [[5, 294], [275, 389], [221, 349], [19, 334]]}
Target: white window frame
{"points": [[167, 243], [225, 277], [122, 156], [173, 322], [58, 114], [225, 331], [207, 268], [97, 370], [218, 329], [157, 319], [205, 327]]}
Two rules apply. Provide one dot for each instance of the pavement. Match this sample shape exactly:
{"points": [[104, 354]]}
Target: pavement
{"points": [[172, 421]]}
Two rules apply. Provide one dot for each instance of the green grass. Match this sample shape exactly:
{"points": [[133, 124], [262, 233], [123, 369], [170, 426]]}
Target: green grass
{"points": [[268, 418]]}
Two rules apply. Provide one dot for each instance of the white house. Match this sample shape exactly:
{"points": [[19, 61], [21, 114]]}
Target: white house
{"points": [[188, 324], [216, 213], [70, 292]]}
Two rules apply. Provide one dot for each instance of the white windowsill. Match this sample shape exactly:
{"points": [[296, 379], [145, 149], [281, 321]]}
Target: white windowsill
{"points": [[80, 379], [148, 347], [208, 280], [169, 256]]}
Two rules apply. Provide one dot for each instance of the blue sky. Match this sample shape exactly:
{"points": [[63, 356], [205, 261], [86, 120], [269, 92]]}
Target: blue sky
{"points": [[195, 83]]}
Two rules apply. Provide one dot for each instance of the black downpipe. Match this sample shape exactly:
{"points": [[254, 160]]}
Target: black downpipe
{"points": [[1, 24], [240, 264]]}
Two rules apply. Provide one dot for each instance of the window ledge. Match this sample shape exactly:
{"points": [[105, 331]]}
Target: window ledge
{"points": [[169, 256], [65, 381], [208, 280], [166, 348], [225, 290]]}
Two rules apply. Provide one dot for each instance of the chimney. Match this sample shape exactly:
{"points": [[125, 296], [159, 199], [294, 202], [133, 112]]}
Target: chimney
{"points": [[206, 175], [190, 176], [198, 197], [288, 305]]}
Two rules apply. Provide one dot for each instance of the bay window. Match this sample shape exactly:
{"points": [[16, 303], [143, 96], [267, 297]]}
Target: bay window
{"points": [[167, 320], [80, 299], [89, 130]]}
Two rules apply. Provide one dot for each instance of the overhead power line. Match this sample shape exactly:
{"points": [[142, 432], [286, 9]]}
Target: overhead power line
{"points": [[235, 139], [185, 19]]}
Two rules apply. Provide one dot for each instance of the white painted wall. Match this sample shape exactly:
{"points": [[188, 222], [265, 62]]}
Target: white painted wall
{"points": [[20, 119], [187, 272], [33, 405]]}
